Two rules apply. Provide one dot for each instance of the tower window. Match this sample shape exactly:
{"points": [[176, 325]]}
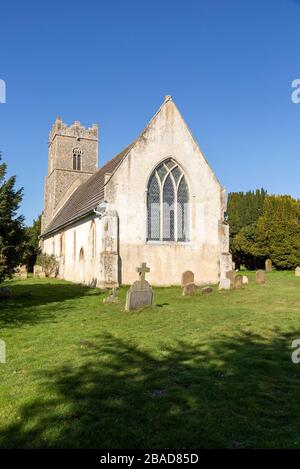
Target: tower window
{"points": [[77, 159]]}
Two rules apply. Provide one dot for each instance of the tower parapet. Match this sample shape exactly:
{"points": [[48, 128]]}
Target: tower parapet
{"points": [[76, 130]]}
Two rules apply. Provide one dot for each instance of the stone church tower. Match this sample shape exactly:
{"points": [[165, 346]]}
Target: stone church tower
{"points": [[72, 159]]}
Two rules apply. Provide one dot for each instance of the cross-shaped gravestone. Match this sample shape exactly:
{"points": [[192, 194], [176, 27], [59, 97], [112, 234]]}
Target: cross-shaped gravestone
{"points": [[140, 293], [142, 271]]}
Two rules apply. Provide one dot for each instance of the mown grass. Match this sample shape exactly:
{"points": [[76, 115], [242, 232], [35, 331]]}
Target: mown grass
{"points": [[205, 371]]}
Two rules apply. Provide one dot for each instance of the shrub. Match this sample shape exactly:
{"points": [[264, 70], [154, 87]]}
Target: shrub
{"points": [[48, 263]]}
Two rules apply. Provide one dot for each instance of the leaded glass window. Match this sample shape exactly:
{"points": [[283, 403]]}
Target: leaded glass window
{"points": [[168, 204], [154, 207]]}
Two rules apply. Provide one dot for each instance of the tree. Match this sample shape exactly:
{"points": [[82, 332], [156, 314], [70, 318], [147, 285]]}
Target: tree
{"points": [[32, 248], [49, 264], [244, 210], [274, 234], [11, 224], [278, 231]]}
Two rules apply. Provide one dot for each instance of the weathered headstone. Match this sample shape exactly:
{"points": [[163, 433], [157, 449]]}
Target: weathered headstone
{"points": [[268, 265], [187, 277], [22, 271], [260, 277], [189, 289], [112, 298], [297, 271], [140, 293], [231, 274], [38, 271], [245, 280], [224, 284], [238, 281], [206, 290]]}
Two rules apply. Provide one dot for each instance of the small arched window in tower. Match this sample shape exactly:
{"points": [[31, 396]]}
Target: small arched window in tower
{"points": [[168, 204], [93, 239], [77, 159]]}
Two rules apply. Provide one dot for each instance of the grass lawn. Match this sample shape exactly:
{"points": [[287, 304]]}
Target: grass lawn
{"points": [[205, 371]]}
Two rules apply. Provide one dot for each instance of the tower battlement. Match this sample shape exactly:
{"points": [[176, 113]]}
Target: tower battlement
{"points": [[76, 130]]}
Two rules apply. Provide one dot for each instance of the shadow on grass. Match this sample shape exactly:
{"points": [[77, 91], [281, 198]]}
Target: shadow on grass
{"points": [[28, 304], [241, 392]]}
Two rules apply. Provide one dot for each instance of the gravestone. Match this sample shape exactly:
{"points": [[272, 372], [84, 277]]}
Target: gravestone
{"points": [[260, 277], [245, 280], [231, 274], [112, 298], [224, 284], [268, 265], [140, 293], [238, 282], [187, 277], [206, 290], [38, 271], [297, 271], [22, 271], [189, 289]]}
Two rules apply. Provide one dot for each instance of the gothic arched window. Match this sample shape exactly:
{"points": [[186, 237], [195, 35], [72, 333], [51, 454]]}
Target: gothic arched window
{"points": [[168, 204], [77, 159]]}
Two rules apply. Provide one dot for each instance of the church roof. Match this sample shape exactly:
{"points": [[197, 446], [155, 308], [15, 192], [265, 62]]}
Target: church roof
{"points": [[87, 196]]}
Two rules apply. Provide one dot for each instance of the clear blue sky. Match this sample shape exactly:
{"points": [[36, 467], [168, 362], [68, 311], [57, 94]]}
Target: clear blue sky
{"points": [[228, 64]]}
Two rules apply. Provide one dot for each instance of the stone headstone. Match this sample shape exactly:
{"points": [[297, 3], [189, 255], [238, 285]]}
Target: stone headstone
{"points": [[187, 277], [245, 280], [260, 277], [297, 271], [112, 298], [206, 290], [238, 281], [268, 265], [224, 284], [189, 289], [140, 293], [22, 271], [38, 271], [231, 274]]}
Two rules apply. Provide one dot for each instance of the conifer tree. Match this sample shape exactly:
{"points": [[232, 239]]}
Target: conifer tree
{"points": [[11, 224]]}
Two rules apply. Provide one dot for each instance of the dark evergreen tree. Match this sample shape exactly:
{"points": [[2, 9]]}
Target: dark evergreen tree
{"points": [[243, 211], [11, 224], [278, 231], [32, 249]]}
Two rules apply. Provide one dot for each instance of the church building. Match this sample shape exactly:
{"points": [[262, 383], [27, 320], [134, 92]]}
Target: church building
{"points": [[157, 201]]}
